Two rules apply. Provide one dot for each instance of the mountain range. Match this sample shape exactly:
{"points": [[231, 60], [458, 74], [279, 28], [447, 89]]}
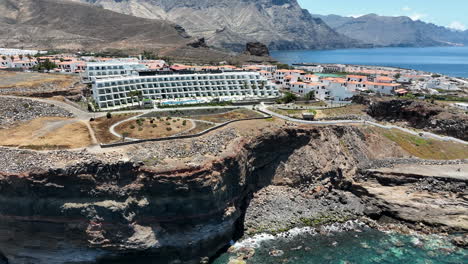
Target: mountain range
{"points": [[402, 31], [168, 26], [55, 24], [280, 24]]}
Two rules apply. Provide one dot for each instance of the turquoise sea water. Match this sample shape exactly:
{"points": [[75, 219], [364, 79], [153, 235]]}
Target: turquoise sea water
{"points": [[452, 61], [365, 247]]}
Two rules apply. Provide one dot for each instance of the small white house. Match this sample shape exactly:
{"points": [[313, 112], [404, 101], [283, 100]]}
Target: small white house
{"points": [[463, 106]]}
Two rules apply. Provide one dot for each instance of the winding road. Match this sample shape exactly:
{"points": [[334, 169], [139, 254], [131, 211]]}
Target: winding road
{"points": [[84, 117], [341, 122]]}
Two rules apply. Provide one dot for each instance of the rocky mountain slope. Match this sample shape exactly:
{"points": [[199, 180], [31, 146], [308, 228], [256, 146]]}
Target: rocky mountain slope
{"points": [[56, 24], [378, 31], [281, 24]]}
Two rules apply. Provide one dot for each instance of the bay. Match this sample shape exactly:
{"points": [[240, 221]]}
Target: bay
{"points": [[451, 61]]}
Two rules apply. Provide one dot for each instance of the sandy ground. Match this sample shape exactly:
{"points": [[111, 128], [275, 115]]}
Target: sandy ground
{"points": [[47, 133], [459, 171], [28, 79]]}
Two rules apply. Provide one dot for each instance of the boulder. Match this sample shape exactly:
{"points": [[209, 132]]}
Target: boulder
{"points": [[199, 43], [257, 49]]}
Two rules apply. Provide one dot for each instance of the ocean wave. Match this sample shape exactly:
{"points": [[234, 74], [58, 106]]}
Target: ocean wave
{"points": [[257, 240]]}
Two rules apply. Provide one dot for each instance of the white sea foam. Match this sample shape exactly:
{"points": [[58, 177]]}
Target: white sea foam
{"points": [[257, 240]]}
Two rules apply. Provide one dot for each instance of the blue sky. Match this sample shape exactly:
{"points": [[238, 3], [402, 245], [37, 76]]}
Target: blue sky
{"points": [[449, 13]]}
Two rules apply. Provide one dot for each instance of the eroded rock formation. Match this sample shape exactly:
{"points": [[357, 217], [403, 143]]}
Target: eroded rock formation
{"points": [[418, 114]]}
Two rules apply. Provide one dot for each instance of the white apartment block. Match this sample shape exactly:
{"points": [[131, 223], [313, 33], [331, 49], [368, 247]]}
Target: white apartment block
{"points": [[310, 68], [16, 52], [109, 69], [112, 93], [261, 67]]}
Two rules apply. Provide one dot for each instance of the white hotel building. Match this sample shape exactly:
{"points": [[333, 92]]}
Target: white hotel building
{"points": [[112, 93], [99, 70]]}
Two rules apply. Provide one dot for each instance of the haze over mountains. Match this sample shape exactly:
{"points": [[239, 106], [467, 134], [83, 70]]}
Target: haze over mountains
{"points": [[385, 31]]}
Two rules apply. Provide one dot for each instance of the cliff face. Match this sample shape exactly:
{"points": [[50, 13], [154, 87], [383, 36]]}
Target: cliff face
{"points": [[110, 210], [422, 115], [280, 24], [100, 212]]}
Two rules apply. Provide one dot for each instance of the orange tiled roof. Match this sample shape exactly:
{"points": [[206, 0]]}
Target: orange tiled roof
{"points": [[383, 84], [357, 76]]}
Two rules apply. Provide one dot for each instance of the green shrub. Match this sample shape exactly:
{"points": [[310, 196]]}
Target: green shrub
{"points": [[132, 127], [168, 128], [109, 115]]}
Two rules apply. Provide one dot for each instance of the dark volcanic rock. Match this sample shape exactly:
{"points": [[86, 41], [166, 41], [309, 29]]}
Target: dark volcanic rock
{"points": [[418, 114], [257, 49], [200, 43]]}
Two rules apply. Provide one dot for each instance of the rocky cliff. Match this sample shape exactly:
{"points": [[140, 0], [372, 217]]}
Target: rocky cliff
{"points": [[281, 24], [420, 115], [104, 210]]}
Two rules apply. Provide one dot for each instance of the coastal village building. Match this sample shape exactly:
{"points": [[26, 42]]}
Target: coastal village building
{"points": [[285, 77], [309, 67], [463, 106], [113, 93], [303, 88], [382, 88], [260, 67], [267, 74], [72, 66], [17, 62]]}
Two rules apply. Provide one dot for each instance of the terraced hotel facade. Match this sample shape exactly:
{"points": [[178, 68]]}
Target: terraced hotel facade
{"points": [[113, 93]]}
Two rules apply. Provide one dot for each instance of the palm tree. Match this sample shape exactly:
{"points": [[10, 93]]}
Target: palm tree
{"points": [[20, 57], [4, 57]]}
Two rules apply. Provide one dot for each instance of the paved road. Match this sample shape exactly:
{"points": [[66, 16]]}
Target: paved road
{"points": [[341, 122]]}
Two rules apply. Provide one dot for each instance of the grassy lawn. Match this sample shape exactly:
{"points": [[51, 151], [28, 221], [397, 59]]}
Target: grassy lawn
{"points": [[425, 148]]}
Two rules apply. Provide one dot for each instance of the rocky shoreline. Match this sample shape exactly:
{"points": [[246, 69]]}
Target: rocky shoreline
{"points": [[137, 205]]}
